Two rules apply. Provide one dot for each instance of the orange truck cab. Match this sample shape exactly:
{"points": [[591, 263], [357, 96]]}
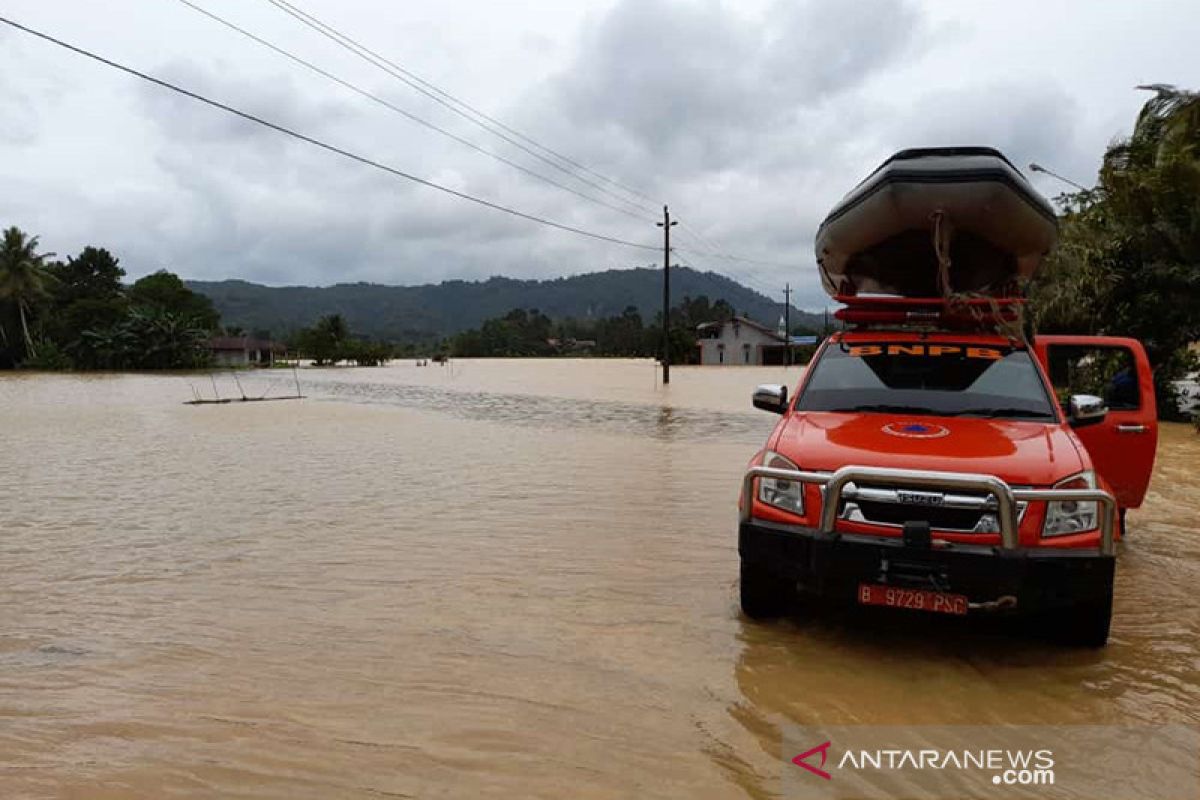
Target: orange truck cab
{"points": [[953, 471]]}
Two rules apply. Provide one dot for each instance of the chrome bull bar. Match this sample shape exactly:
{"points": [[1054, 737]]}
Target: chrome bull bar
{"points": [[1006, 498]]}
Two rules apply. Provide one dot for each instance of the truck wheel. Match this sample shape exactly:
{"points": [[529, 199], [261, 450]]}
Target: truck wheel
{"points": [[1084, 625], [1121, 523], [764, 594]]}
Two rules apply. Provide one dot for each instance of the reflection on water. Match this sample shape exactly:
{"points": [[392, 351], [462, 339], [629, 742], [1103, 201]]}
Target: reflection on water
{"points": [[497, 579], [606, 416]]}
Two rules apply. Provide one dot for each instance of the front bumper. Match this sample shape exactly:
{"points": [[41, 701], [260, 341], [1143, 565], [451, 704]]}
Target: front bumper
{"points": [[832, 565]]}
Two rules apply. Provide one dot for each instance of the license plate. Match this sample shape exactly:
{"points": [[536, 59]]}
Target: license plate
{"points": [[874, 594]]}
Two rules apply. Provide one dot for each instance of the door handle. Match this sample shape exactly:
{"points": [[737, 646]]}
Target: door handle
{"points": [[1131, 429]]}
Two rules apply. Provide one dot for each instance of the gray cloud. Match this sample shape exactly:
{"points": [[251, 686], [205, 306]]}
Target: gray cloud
{"points": [[821, 48], [1028, 121], [750, 118], [18, 116], [685, 88], [273, 97]]}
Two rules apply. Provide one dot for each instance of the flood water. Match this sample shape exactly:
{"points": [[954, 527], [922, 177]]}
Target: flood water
{"points": [[494, 579]]}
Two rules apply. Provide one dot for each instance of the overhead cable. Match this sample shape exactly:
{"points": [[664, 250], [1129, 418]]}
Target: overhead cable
{"points": [[317, 142], [400, 74], [488, 123], [420, 121], [472, 109]]}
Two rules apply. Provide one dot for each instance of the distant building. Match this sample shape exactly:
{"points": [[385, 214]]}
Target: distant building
{"points": [[572, 345], [1189, 387], [743, 342], [243, 351]]}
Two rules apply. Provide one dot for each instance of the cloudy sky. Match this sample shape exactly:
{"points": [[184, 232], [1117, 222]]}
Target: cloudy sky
{"points": [[750, 118]]}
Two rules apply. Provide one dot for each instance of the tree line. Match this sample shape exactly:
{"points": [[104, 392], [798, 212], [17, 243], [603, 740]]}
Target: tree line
{"points": [[329, 342], [1128, 257], [77, 314], [523, 332]]}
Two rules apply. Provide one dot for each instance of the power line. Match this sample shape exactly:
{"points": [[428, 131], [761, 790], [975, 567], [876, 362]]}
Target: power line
{"points": [[406, 114], [727, 272], [695, 234], [736, 278], [741, 259], [402, 75], [728, 275], [716, 251], [475, 116], [317, 142], [465, 105]]}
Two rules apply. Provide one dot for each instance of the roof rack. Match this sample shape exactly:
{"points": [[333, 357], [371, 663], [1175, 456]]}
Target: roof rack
{"points": [[938, 313]]}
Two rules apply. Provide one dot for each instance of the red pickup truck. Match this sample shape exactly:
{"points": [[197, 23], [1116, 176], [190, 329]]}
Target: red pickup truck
{"points": [[953, 472]]}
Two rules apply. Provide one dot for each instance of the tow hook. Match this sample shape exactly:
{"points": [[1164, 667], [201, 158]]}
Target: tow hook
{"points": [[1002, 603]]}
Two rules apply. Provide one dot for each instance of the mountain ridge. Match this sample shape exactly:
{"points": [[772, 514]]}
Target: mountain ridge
{"points": [[432, 311]]}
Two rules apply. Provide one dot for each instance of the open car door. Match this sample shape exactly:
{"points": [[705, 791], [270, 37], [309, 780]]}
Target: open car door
{"points": [[1123, 445]]}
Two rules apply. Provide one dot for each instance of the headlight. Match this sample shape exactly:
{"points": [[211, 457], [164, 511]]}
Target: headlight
{"points": [[1072, 516], [788, 495]]}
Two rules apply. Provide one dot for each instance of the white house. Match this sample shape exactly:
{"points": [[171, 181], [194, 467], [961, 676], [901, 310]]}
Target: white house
{"points": [[739, 341], [243, 351]]}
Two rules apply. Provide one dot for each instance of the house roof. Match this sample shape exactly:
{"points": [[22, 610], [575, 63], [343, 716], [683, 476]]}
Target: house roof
{"points": [[241, 343], [758, 326]]}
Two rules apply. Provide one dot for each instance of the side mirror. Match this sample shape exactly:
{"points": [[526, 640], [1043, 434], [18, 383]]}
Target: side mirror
{"points": [[1086, 409], [771, 397]]}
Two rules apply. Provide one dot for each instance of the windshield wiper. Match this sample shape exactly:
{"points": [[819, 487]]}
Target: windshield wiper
{"points": [[1004, 412], [887, 409]]}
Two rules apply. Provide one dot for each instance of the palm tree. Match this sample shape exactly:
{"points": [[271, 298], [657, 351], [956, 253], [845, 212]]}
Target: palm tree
{"points": [[106, 348], [1170, 122], [1128, 259], [23, 277], [167, 339]]}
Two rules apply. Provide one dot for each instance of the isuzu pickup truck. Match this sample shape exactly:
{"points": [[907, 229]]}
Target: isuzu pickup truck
{"points": [[954, 472]]}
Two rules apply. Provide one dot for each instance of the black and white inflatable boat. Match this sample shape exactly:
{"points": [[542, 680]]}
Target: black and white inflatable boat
{"points": [[969, 203]]}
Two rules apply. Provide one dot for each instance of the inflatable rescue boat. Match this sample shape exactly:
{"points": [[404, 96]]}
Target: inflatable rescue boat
{"points": [[930, 222]]}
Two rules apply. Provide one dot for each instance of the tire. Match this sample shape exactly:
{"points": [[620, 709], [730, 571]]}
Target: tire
{"points": [[765, 595], [1084, 625], [1121, 523]]}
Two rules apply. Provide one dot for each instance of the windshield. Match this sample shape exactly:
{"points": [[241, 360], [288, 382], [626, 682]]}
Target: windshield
{"points": [[937, 378]]}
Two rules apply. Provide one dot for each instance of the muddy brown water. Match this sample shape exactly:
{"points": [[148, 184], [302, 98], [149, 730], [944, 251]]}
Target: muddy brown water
{"points": [[495, 579]]}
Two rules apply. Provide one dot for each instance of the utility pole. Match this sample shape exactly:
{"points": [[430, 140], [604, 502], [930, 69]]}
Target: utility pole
{"points": [[787, 324], [666, 312]]}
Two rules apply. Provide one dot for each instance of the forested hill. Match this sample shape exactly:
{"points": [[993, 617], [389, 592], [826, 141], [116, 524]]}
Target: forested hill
{"points": [[416, 313]]}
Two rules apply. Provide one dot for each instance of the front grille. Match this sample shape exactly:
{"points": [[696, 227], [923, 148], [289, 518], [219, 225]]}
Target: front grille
{"points": [[963, 512], [954, 519]]}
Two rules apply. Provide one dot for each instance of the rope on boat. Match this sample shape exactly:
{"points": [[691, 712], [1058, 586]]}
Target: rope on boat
{"points": [[958, 302], [943, 232]]}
